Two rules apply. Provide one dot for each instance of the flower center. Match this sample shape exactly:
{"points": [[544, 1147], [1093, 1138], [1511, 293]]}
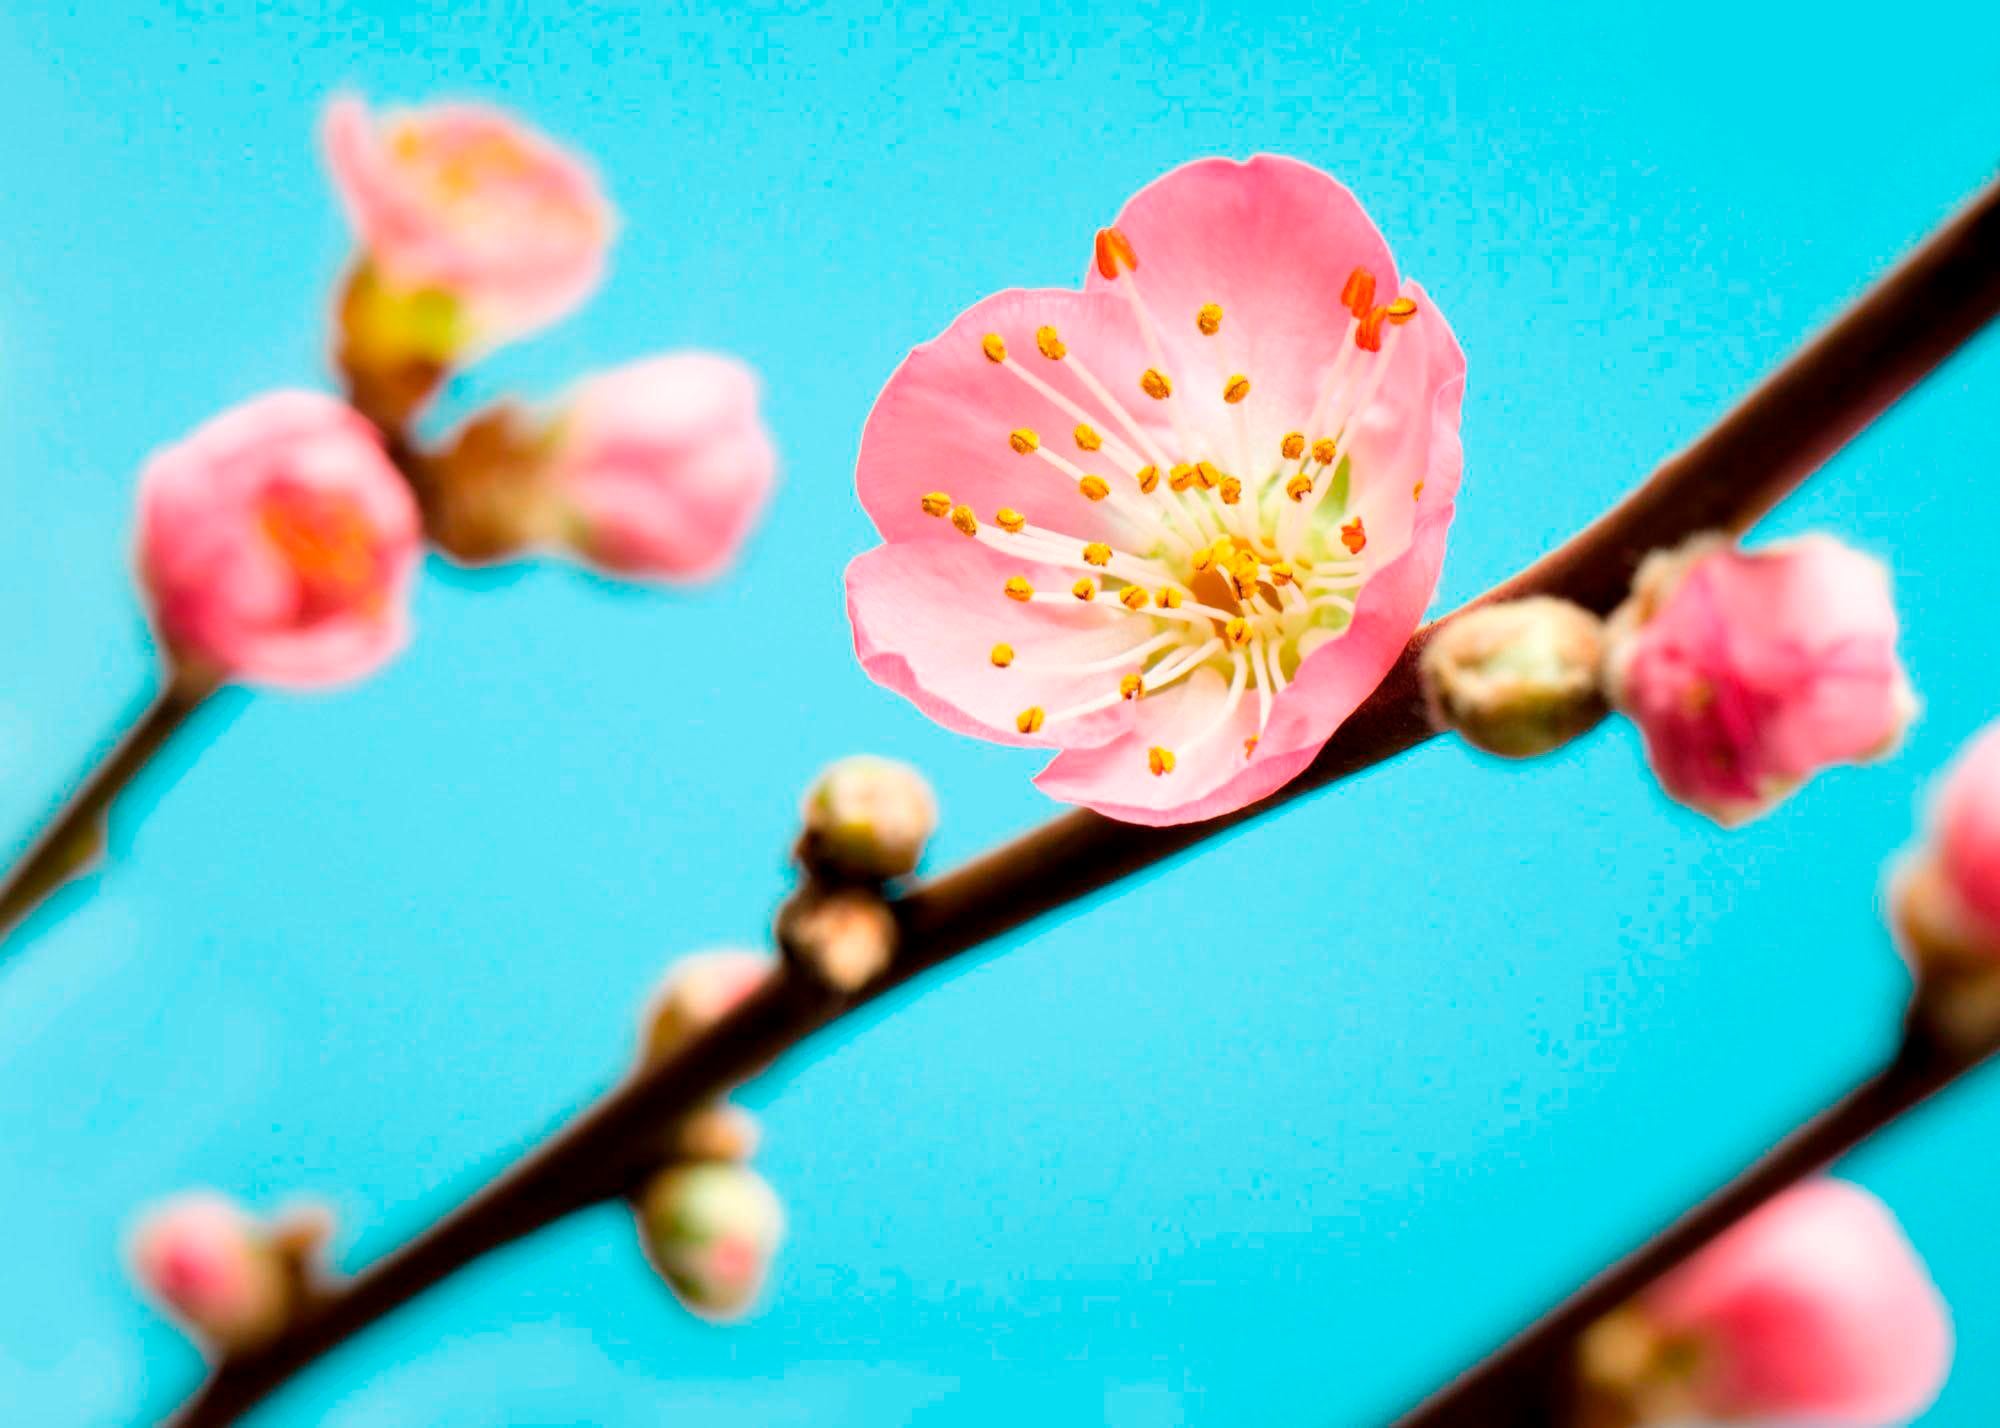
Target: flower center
{"points": [[325, 539], [1229, 558]]}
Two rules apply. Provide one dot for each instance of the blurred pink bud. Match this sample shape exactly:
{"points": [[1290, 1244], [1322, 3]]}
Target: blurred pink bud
{"points": [[868, 817], [711, 1231], [464, 200], [664, 465], [699, 991], [1812, 1307], [1966, 830], [210, 1264], [278, 543], [1748, 672]]}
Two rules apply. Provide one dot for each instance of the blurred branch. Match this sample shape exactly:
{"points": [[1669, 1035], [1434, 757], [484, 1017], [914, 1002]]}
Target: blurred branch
{"points": [[72, 836], [1743, 465]]}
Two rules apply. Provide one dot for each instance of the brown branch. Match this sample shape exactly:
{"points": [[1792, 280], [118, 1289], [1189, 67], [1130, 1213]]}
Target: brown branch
{"points": [[1770, 442], [72, 835]]}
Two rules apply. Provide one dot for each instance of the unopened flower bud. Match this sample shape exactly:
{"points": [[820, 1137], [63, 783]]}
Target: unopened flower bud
{"points": [[1519, 678], [845, 938], [1946, 902], [716, 1132], [1750, 671], [697, 992], [1813, 1308], [711, 1231], [487, 494], [868, 817], [212, 1266]]}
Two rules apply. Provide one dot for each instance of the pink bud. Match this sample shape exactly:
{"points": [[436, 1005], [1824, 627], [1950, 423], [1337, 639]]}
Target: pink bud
{"points": [[664, 465], [712, 1230], [278, 543], [463, 200], [1814, 1306], [1967, 831], [1748, 672], [211, 1266], [697, 992]]}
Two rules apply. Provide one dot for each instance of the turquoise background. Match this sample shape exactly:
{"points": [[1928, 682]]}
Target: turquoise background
{"points": [[1282, 1134]]}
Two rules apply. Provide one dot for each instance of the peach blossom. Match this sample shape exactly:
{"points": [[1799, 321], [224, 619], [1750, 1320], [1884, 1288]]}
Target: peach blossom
{"points": [[1812, 1308], [664, 465], [211, 1265], [1749, 671], [1178, 525], [278, 542], [465, 200]]}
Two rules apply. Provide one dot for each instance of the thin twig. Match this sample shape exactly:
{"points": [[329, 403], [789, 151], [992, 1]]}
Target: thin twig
{"points": [[73, 833], [1771, 441]]}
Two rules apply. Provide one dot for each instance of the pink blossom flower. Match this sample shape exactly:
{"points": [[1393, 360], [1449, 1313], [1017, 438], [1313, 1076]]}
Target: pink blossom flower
{"points": [[664, 465], [465, 200], [211, 1265], [1749, 671], [278, 543], [1178, 525], [1812, 1307], [1966, 832]]}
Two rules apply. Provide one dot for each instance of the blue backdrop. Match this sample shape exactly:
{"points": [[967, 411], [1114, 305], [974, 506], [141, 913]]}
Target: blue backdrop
{"points": [[1282, 1134]]}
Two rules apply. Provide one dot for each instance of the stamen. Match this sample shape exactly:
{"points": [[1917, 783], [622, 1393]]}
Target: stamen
{"points": [[1359, 293], [1324, 450], [965, 520], [1238, 679], [1231, 490], [1417, 491], [1236, 630], [1208, 474], [1293, 446], [1084, 589], [1249, 746], [1097, 553], [1094, 488], [1124, 657], [1159, 760], [1018, 588], [1156, 384], [1049, 344], [1354, 536], [1176, 665], [937, 503], [1002, 655], [1262, 671], [1114, 251], [1209, 319], [1401, 310], [1281, 572], [1087, 438], [1029, 720], [1121, 453], [1368, 336], [1023, 440], [1181, 477], [1236, 389], [1299, 487], [1148, 478], [1133, 597], [1167, 598], [993, 347], [1131, 686], [1111, 404], [1009, 519]]}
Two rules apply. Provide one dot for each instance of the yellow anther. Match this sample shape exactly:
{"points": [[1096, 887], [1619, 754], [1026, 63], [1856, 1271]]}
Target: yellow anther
{"points": [[1084, 589], [1202, 560], [1148, 478], [1155, 384], [1002, 656], [1354, 536], [1281, 572], [1023, 440], [1236, 630], [1094, 488], [1097, 553], [1293, 446], [965, 520], [1050, 345], [1209, 319], [1018, 588], [1231, 490], [1029, 719], [1167, 598], [1159, 760], [1324, 449], [1236, 388], [1088, 439], [1299, 487], [993, 347], [1132, 597], [1181, 477], [1132, 686], [1401, 310], [1208, 474], [1417, 491], [1009, 519], [1114, 251], [1249, 746], [937, 503]]}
